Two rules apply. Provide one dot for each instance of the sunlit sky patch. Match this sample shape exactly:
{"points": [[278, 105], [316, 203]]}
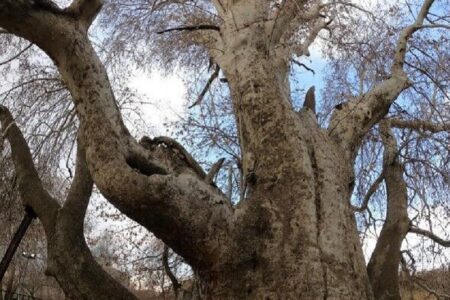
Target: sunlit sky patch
{"points": [[165, 98]]}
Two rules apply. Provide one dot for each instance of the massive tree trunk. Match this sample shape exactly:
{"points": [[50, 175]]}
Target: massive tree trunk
{"points": [[294, 235], [296, 232]]}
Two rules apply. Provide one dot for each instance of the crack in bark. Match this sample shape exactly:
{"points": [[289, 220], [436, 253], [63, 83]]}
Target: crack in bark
{"points": [[145, 167], [318, 204]]}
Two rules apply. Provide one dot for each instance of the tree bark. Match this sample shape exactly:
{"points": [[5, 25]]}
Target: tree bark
{"points": [[10, 283], [85, 279], [293, 236], [69, 258], [299, 242], [383, 267]]}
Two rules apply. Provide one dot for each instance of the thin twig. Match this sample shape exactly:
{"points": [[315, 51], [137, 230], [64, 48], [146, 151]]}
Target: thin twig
{"points": [[17, 55]]}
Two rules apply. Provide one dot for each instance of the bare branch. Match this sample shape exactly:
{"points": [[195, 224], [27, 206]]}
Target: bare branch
{"points": [[405, 35], [430, 235], [191, 28], [85, 10], [373, 188], [385, 259], [438, 295], [355, 118], [420, 125], [17, 55], [290, 13], [80, 191], [214, 170], [14, 244], [312, 36], [302, 65], [165, 260], [30, 185], [433, 26], [211, 79]]}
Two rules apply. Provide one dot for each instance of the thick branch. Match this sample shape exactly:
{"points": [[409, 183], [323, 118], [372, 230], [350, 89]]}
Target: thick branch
{"points": [[13, 12], [85, 10], [230, 183], [64, 228], [405, 35], [385, 260], [420, 125], [312, 36], [39, 21], [176, 150], [80, 191], [167, 205], [180, 208], [30, 185], [352, 120], [68, 246], [290, 14], [430, 235]]}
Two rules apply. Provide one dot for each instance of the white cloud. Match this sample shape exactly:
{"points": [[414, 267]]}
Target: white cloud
{"points": [[165, 98]]}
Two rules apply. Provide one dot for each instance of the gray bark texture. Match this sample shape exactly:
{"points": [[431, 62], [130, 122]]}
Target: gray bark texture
{"points": [[294, 236], [69, 258], [384, 264]]}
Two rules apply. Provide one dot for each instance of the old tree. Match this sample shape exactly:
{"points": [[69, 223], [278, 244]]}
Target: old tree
{"points": [[293, 234]]}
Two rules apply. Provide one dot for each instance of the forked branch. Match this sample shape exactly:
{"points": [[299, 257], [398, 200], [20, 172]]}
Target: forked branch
{"points": [[354, 119], [30, 185], [385, 259], [406, 34]]}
